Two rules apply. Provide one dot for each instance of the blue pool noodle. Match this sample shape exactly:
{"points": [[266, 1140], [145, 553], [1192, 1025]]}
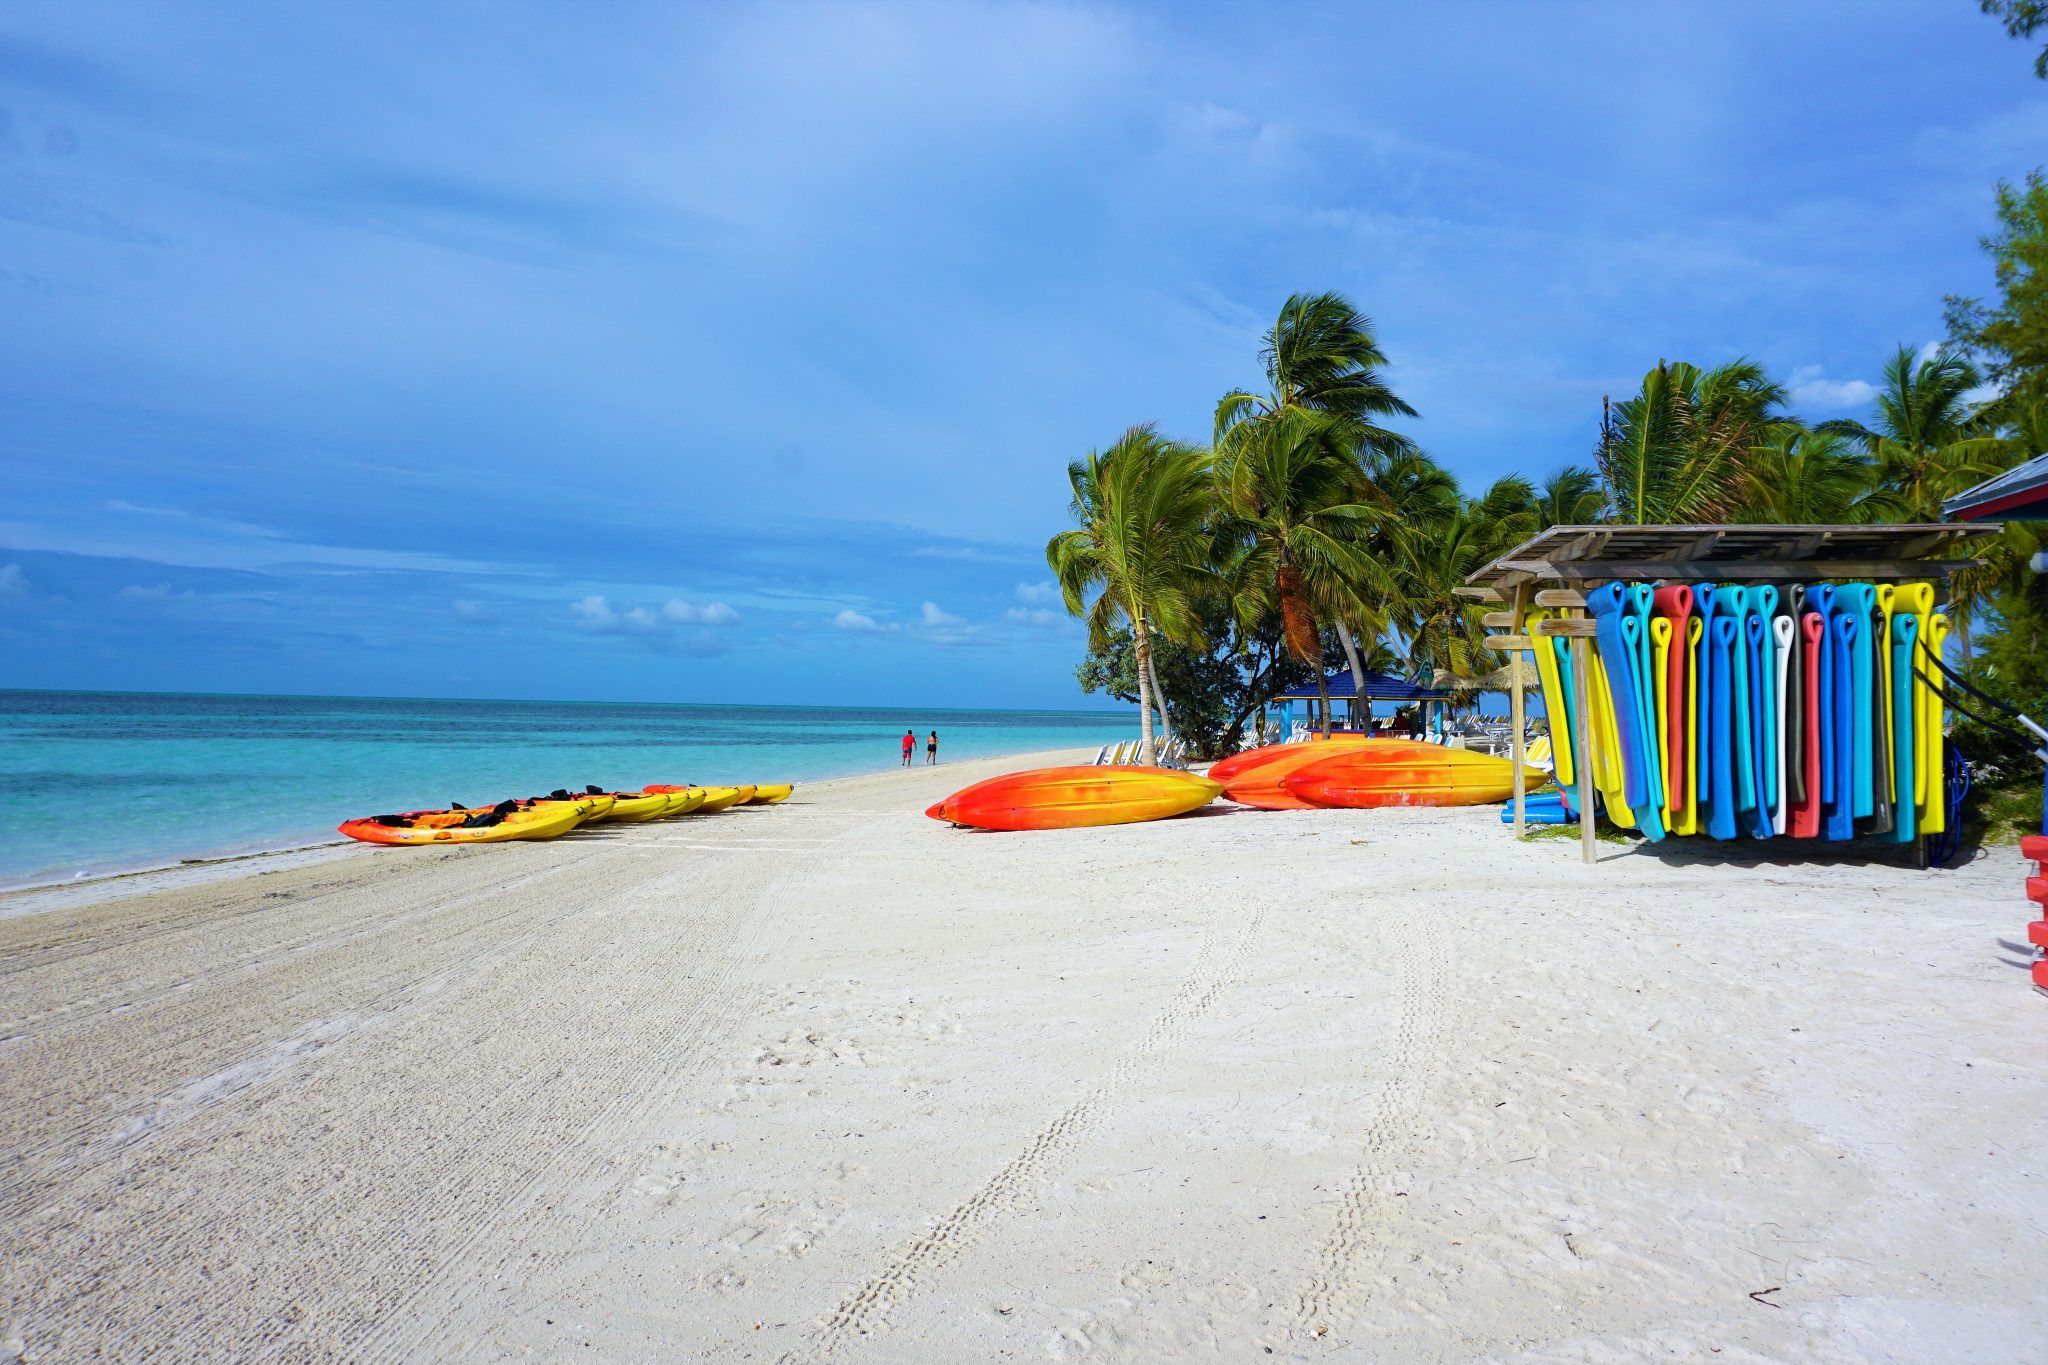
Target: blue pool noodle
{"points": [[1838, 817], [1703, 669], [1857, 601], [1821, 598], [1717, 726], [1609, 607]]}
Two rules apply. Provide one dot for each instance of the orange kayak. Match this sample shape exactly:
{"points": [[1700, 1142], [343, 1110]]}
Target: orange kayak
{"points": [[1223, 770], [1264, 784], [1076, 797], [1406, 772]]}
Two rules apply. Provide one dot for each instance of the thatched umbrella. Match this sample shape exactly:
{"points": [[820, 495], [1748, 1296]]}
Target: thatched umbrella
{"points": [[1517, 672]]}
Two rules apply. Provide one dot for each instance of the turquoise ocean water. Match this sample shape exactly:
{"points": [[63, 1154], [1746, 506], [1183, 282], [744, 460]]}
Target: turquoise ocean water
{"points": [[105, 781]]}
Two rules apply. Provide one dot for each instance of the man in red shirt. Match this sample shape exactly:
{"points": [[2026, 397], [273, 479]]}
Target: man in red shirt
{"points": [[909, 745]]}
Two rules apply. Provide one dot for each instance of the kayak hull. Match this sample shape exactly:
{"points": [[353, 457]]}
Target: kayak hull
{"points": [[1408, 773], [1079, 797], [438, 827], [1263, 785], [1225, 770]]}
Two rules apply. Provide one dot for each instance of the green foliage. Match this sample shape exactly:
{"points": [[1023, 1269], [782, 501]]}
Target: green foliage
{"points": [[1213, 689], [2021, 18], [2012, 335], [1675, 453]]}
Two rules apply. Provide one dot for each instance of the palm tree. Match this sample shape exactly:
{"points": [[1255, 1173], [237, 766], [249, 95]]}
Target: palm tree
{"points": [[1320, 355], [1798, 476], [1674, 453], [1290, 496], [1140, 546], [1927, 449], [1322, 364]]}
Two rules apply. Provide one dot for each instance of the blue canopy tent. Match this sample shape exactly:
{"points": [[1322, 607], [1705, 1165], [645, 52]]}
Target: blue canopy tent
{"points": [[1375, 686]]}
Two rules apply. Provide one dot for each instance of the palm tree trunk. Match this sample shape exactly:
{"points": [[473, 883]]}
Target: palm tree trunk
{"points": [[1159, 698], [1357, 669], [1143, 640], [1323, 692]]}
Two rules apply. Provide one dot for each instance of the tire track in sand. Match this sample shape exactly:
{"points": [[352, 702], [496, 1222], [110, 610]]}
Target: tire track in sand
{"points": [[867, 1309], [1353, 1247]]}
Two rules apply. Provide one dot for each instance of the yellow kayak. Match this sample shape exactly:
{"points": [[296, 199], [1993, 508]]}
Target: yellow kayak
{"points": [[718, 798], [685, 801], [542, 821], [771, 793], [633, 807]]}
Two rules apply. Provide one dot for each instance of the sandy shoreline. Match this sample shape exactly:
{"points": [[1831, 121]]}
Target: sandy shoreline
{"points": [[111, 883], [832, 1081]]}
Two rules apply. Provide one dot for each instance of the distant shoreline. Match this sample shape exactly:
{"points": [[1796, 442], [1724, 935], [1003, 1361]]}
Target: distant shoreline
{"points": [[92, 887]]}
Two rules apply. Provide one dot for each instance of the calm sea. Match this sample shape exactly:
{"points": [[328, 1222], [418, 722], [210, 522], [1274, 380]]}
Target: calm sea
{"points": [[103, 781]]}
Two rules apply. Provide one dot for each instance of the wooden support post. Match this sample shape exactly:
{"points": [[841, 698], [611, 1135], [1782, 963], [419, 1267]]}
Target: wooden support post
{"points": [[1582, 750], [1518, 717]]}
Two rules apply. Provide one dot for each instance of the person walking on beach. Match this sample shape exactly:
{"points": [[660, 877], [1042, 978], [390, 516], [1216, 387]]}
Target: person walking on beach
{"points": [[931, 749], [909, 746]]}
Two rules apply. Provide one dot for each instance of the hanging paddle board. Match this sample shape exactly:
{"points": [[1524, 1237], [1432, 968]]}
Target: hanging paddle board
{"points": [[1783, 632], [1718, 726], [1839, 816], [1660, 671], [1905, 743], [1933, 810], [1674, 604], [1805, 820], [1686, 811], [1556, 705], [1612, 621]]}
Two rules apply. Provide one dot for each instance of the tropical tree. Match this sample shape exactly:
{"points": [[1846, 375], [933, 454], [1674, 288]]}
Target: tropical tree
{"points": [[1801, 477], [1675, 452], [1926, 448], [1290, 499], [1321, 356], [1139, 547], [1323, 375]]}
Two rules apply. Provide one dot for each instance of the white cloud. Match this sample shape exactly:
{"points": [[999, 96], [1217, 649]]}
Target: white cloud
{"points": [[850, 619], [473, 611], [1038, 592], [932, 616], [597, 615], [1811, 393], [690, 614], [151, 592], [1036, 616], [13, 582]]}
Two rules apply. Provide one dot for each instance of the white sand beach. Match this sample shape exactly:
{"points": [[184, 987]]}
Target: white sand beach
{"points": [[831, 1081]]}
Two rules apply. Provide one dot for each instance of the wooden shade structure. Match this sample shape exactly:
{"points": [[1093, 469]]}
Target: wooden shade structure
{"points": [[1555, 568]]}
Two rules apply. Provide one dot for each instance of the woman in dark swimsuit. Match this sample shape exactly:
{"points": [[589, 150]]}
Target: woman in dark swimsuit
{"points": [[931, 749]]}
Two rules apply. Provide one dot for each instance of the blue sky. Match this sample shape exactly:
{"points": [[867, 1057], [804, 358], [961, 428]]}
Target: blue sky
{"points": [[731, 354]]}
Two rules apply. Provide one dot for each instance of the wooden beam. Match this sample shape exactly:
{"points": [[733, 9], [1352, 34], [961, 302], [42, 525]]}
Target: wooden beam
{"points": [[1507, 642], [1570, 628], [1478, 594], [1560, 597], [1518, 721], [1500, 620], [1707, 570], [1582, 751]]}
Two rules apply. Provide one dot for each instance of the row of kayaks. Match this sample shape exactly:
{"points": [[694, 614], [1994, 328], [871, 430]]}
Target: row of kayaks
{"points": [[1346, 771], [546, 817]]}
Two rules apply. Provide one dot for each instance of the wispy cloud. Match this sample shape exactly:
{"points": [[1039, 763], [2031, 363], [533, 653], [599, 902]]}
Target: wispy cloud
{"points": [[13, 582], [1038, 592], [1810, 392], [596, 614]]}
